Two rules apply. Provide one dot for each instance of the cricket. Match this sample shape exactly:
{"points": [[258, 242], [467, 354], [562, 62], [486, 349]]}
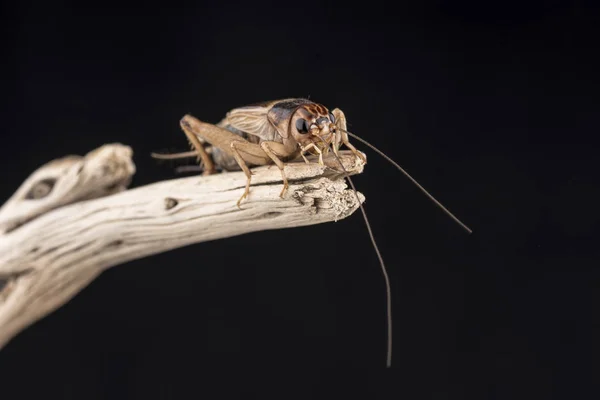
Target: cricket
{"points": [[278, 132]]}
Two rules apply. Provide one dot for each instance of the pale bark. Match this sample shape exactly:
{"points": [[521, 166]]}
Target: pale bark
{"points": [[72, 219]]}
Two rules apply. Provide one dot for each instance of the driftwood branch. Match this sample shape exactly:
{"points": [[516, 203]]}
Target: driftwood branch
{"points": [[72, 219]]}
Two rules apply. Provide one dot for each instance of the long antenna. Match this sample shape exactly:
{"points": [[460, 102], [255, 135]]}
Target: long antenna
{"points": [[381, 153], [388, 290], [386, 278]]}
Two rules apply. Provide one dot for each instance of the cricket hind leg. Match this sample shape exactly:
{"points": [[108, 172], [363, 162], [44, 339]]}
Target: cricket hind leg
{"points": [[244, 152], [230, 144], [221, 138], [198, 145], [211, 142]]}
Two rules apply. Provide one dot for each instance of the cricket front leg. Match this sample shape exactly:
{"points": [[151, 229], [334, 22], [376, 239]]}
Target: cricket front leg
{"points": [[342, 136], [312, 146]]}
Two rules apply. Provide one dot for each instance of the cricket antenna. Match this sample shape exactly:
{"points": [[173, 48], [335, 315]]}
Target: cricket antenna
{"points": [[388, 290], [386, 278], [381, 153]]}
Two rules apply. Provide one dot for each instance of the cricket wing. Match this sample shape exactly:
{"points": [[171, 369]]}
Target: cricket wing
{"points": [[253, 120]]}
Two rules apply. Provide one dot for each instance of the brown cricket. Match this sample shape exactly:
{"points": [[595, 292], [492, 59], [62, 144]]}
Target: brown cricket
{"points": [[277, 132], [266, 133]]}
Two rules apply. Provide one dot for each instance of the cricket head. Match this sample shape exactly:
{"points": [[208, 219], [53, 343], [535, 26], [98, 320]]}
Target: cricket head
{"points": [[313, 123]]}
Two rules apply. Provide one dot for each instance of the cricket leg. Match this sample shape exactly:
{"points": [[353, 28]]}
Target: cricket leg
{"points": [[312, 146], [244, 152], [340, 121], [240, 160], [198, 132], [206, 160], [275, 150], [222, 139], [349, 145], [271, 150]]}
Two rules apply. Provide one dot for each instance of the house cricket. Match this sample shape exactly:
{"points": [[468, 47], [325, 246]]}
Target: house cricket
{"points": [[276, 132]]}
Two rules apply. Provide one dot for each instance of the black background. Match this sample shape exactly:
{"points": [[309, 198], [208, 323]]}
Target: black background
{"points": [[490, 105]]}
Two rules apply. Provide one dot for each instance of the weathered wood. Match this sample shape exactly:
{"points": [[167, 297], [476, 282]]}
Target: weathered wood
{"points": [[55, 238]]}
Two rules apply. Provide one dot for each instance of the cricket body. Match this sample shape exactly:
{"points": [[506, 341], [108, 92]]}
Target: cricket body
{"points": [[271, 132]]}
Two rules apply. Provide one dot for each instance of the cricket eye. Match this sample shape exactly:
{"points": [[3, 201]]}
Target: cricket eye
{"points": [[331, 118], [302, 125]]}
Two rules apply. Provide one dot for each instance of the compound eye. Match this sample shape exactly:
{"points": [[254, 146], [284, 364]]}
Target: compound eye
{"points": [[302, 126], [331, 118]]}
